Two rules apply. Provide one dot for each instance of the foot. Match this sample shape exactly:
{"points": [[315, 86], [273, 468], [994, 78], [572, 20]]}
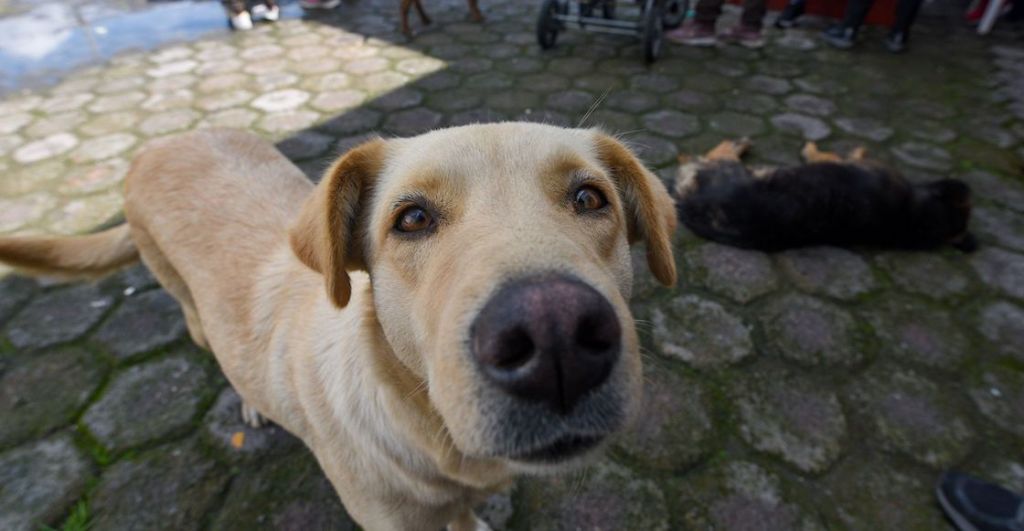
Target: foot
{"points": [[729, 150], [857, 154], [840, 37], [251, 417], [812, 154], [973, 504], [694, 34], [241, 21], [262, 12], [745, 36], [787, 19], [896, 42], [319, 4], [273, 14]]}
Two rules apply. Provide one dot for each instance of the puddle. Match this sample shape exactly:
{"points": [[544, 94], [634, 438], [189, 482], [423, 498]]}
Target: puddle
{"points": [[48, 39]]}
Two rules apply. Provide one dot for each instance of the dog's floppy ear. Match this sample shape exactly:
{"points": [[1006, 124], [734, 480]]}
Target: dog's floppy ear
{"points": [[327, 236], [650, 211]]}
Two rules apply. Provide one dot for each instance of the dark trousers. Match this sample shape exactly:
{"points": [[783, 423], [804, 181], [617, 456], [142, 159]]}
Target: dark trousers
{"points": [[906, 12], [237, 6], [753, 12]]}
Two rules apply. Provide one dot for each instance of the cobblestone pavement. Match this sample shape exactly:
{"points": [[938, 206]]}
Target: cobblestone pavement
{"points": [[814, 389]]}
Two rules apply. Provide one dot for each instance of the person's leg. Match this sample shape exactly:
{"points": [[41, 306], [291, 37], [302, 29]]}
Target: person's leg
{"points": [[234, 7], [701, 30], [708, 11], [748, 32], [753, 13], [793, 10], [843, 34], [238, 15], [856, 12], [906, 13]]}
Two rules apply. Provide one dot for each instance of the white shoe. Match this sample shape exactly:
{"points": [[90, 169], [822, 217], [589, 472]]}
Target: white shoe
{"points": [[262, 12], [241, 21]]}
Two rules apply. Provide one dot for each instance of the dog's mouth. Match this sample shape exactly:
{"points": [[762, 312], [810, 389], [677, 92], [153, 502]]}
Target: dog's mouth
{"points": [[561, 449]]}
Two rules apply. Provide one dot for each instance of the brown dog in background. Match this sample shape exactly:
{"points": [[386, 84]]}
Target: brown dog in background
{"points": [[474, 13]]}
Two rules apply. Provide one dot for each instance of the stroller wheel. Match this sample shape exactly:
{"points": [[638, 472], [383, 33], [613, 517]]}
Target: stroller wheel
{"points": [[675, 13], [652, 29], [547, 25]]}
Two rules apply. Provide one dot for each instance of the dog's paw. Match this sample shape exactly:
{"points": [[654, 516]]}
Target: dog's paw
{"points": [[251, 417]]}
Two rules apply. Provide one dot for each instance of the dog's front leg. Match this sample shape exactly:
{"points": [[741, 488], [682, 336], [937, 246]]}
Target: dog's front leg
{"points": [[251, 417], [468, 521]]}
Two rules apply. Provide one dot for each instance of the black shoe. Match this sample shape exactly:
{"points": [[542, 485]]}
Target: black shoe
{"points": [[840, 37], [792, 11], [974, 505], [896, 42]]}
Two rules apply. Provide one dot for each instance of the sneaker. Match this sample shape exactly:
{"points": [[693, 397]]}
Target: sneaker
{"points": [[792, 11], [262, 12], [896, 42], [745, 36], [241, 21], [974, 505], [840, 37], [694, 34], [319, 4]]}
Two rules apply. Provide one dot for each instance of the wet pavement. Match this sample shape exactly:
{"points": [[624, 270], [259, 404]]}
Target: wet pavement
{"points": [[813, 389]]}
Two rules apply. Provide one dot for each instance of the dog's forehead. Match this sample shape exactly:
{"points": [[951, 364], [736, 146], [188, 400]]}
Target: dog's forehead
{"points": [[487, 151]]}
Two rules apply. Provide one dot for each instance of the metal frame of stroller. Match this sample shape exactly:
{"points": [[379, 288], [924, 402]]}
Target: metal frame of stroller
{"points": [[654, 17]]}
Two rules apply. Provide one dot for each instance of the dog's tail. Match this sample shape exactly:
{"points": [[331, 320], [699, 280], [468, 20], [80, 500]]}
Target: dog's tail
{"points": [[91, 255]]}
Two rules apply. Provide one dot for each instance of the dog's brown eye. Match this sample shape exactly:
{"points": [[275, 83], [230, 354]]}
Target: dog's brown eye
{"points": [[413, 219], [587, 199]]}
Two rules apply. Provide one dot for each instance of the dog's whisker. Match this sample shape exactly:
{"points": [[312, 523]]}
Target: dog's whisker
{"points": [[593, 107]]}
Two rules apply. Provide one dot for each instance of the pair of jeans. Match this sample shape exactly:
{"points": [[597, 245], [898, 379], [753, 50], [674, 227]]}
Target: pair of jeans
{"points": [[906, 12], [753, 12]]}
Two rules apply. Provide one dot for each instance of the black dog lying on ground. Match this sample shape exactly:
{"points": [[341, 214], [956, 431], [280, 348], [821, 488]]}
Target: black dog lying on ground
{"points": [[828, 201]]}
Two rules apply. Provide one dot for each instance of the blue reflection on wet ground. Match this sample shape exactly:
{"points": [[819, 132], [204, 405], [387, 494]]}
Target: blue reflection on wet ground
{"points": [[43, 40]]}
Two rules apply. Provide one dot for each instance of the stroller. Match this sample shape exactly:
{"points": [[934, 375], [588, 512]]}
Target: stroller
{"points": [[646, 20]]}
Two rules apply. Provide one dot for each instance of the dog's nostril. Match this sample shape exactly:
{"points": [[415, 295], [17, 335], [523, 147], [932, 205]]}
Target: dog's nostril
{"points": [[517, 349], [594, 334]]}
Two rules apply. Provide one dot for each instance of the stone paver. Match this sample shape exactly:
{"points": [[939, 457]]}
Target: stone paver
{"points": [[284, 493], [701, 333], [58, 316], [170, 488], [46, 392], [794, 419], [155, 311], [740, 495], [40, 482], [909, 414], [676, 430], [610, 496], [812, 332], [166, 394], [738, 274], [828, 271], [813, 389]]}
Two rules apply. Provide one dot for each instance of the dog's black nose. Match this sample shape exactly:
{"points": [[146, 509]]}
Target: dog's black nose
{"points": [[548, 338]]}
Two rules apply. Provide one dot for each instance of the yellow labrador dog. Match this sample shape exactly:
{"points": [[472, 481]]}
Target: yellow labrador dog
{"points": [[438, 314]]}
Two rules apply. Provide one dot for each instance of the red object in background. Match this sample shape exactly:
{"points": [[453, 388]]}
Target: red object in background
{"points": [[882, 12]]}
